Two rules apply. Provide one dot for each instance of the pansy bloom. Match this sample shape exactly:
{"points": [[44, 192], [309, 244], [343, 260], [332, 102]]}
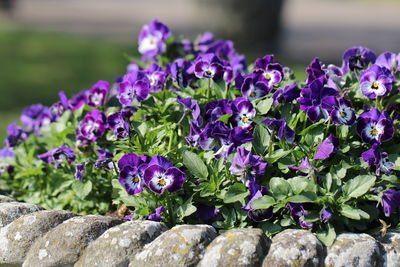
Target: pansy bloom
{"points": [[118, 123], [287, 94], [131, 172], [79, 172], [390, 201], [246, 164], [271, 72], [326, 215], [258, 215], [298, 212], [374, 157], [156, 216], [374, 126], [131, 88], [98, 94], [5, 167], [206, 213], [327, 148], [161, 176], [251, 86], [340, 110], [92, 126], [376, 81], [58, 156], [208, 66], [15, 135], [156, 77], [104, 159], [357, 58], [281, 128], [389, 60], [192, 106], [304, 167], [152, 39], [243, 112], [180, 72]]}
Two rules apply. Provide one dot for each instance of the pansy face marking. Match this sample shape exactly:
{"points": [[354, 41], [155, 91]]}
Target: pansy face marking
{"points": [[373, 131], [345, 114]]}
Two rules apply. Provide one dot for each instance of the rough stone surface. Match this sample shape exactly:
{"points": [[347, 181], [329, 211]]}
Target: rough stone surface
{"points": [[295, 248], [115, 245], [6, 199], [391, 247], [17, 237], [63, 245], [181, 246], [10, 211], [350, 249], [237, 247]]}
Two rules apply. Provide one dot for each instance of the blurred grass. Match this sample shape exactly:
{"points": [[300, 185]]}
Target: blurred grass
{"points": [[36, 65]]}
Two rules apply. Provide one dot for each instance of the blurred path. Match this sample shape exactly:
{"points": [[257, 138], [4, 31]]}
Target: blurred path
{"points": [[311, 28]]}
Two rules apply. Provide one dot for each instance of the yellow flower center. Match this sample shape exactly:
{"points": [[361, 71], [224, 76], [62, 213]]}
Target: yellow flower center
{"points": [[208, 72], [343, 114], [136, 179], [267, 76], [252, 93], [374, 131], [374, 86], [245, 119], [162, 182]]}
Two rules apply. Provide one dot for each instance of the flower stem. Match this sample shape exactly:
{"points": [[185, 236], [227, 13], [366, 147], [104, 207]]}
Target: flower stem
{"points": [[327, 127], [208, 89], [170, 210], [270, 144], [171, 136]]}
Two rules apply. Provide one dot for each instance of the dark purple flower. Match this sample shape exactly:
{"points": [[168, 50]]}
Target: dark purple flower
{"points": [[374, 126], [326, 215], [132, 67], [98, 94], [315, 70], [92, 126], [215, 109], [208, 66], [180, 72], [281, 128], [79, 172], [243, 112], [15, 135], [272, 73], [131, 89], [311, 97], [206, 213], [251, 86], [357, 58], [58, 156], [156, 76], [131, 172], [161, 175], [374, 157], [5, 167], [129, 217], [246, 164], [304, 166], [152, 39], [36, 116], [156, 216], [298, 213], [192, 106], [79, 100], [63, 100], [258, 215], [287, 94], [327, 148], [390, 201], [104, 159], [389, 60], [376, 81], [118, 123], [340, 110]]}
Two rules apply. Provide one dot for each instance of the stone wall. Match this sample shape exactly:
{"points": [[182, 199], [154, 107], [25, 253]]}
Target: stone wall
{"points": [[31, 236]]}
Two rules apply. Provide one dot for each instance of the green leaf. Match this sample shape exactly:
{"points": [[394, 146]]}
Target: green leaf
{"points": [[264, 106], [82, 189], [186, 209], [280, 188], [270, 228], [353, 213], [224, 118], [327, 236], [195, 165], [312, 126], [277, 155], [263, 202], [300, 184], [358, 186], [304, 197], [261, 139], [236, 192]]}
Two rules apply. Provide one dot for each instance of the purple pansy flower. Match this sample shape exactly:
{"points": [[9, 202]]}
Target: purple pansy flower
{"points": [[315, 70], [58, 156], [15, 135], [390, 201], [5, 167], [272, 73], [389, 60], [357, 58], [311, 98], [118, 123], [243, 112], [131, 172], [192, 106], [156, 216], [258, 215], [78, 100], [208, 66], [152, 39], [340, 110], [161, 176], [251, 86], [245, 164], [98, 94], [92, 126], [298, 213], [374, 157], [376, 81], [131, 88], [79, 172], [326, 215], [104, 159], [215, 109], [280, 126], [156, 77], [374, 126], [35, 117], [206, 213], [304, 167], [180, 72], [287, 94], [327, 148]]}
